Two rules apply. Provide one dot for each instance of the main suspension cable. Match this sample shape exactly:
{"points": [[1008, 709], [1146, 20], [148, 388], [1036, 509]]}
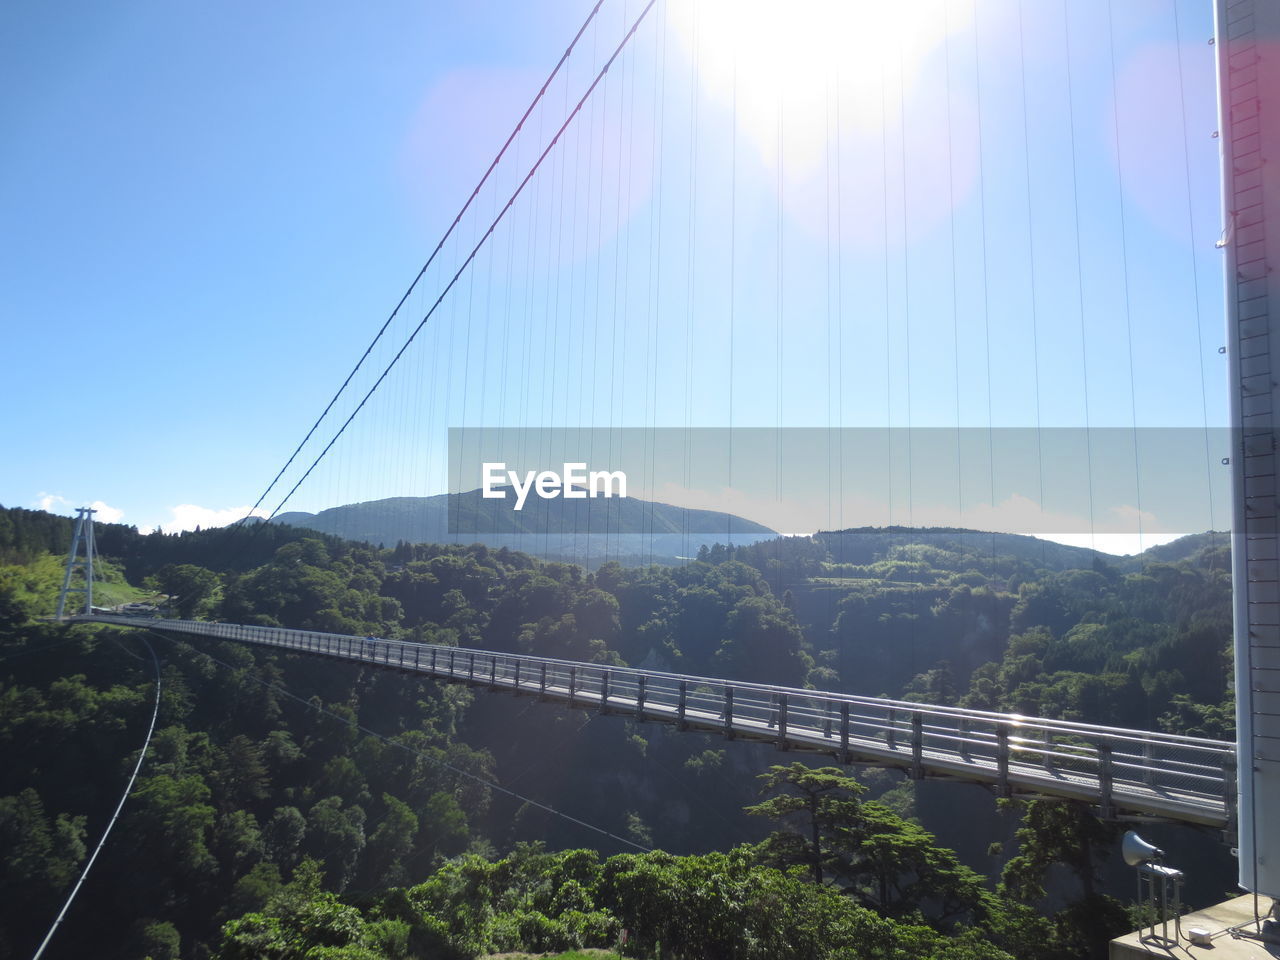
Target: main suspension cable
{"points": [[472, 255], [431, 259]]}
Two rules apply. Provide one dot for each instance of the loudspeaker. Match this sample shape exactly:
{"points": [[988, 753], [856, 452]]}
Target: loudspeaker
{"points": [[1136, 850]]}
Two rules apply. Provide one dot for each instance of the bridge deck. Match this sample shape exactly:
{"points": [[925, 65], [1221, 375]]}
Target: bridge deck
{"points": [[1133, 772]]}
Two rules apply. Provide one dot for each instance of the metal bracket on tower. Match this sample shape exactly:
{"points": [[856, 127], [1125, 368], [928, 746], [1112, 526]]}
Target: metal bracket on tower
{"points": [[81, 537]]}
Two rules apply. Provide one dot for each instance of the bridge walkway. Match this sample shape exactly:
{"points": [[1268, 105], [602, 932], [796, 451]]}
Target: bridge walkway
{"points": [[1134, 773]]}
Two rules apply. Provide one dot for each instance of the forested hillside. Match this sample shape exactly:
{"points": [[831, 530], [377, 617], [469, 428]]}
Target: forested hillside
{"points": [[266, 823]]}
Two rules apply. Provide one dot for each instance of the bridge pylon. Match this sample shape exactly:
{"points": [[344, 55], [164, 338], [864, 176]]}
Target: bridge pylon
{"points": [[1247, 41], [81, 539]]}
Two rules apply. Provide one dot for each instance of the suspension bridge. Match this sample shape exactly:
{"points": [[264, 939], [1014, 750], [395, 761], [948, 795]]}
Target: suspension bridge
{"points": [[1123, 773], [557, 245]]}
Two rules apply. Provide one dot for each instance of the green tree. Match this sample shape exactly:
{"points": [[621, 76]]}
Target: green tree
{"points": [[897, 867], [192, 587], [241, 774], [174, 821], [156, 940], [763, 642], [813, 804], [391, 843], [336, 836], [300, 922], [1056, 832], [39, 856], [283, 836], [1061, 832], [888, 863]]}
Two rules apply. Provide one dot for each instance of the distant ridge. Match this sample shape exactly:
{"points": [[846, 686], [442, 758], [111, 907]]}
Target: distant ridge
{"points": [[869, 544], [584, 530], [633, 530]]}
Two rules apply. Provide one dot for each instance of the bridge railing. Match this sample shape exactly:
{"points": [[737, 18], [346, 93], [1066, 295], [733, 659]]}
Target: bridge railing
{"points": [[1143, 770]]}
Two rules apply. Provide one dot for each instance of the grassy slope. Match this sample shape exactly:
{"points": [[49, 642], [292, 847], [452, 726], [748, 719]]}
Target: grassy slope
{"points": [[36, 584]]}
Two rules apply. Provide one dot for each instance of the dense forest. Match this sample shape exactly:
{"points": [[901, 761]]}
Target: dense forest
{"points": [[293, 807]]}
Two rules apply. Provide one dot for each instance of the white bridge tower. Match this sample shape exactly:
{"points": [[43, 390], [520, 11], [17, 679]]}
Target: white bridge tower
{"points": [[1248, 55], [81, 538]]}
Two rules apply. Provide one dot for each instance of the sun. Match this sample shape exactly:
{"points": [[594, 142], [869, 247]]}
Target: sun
{"points": [[792, 62]]}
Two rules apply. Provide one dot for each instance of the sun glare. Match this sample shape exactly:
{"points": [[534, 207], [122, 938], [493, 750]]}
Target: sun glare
{"points": [[791, 60]]}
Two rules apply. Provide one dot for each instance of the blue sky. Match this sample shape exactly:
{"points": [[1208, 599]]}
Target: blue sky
{"points": [[210, 211]]}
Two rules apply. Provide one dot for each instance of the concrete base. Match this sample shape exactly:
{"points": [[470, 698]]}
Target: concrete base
{"points": [[1230, 926]]}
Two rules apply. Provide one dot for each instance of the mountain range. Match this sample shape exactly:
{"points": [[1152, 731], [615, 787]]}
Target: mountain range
{"points": [[633, 530], [585, 530]]}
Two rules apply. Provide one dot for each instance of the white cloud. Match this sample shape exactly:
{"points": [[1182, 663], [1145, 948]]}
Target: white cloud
{"points": [[56, 503], [1123, 530], [188, 516], [1118, 544], [1020, 514], [106, 514], [51, 502]]}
